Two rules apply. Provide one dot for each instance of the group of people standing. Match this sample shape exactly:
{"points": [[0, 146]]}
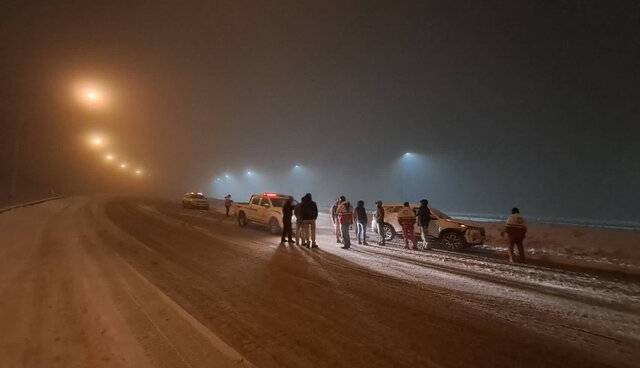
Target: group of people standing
{"points": [[306, 213], [344, 216]]}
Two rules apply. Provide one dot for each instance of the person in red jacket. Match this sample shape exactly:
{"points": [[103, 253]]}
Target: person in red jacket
{"points": [[407, 219], [345, 218], [516, 230]]}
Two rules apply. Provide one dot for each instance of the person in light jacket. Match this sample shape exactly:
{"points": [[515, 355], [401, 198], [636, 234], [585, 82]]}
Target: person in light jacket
{"points": [[516, 230], [301, 237], [334, 218], [227, 203], [380, 221]]}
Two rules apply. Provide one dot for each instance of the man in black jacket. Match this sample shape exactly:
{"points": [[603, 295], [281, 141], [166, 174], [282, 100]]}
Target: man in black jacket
{"points": [[424, 216], [287, 214], [309, 217]]}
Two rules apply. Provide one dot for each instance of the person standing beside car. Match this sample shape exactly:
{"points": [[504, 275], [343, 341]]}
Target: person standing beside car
{"points": [[345, 218], [424, 216], [227, 203], [360, 216], [407, 220], [287, 214], [309, 217], [380, 221], [516, 230]]}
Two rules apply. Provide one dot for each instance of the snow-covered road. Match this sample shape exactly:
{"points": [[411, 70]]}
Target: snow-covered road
{"points": [[100, 281]]}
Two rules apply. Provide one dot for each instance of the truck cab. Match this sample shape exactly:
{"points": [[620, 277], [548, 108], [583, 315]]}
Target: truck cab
{"points": [[263, 209]]}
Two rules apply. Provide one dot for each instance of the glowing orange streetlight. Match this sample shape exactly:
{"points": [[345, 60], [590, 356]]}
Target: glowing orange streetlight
{"points": [[138, 172], [92, 96], [124, 165], [97, 141], [109, 157]]}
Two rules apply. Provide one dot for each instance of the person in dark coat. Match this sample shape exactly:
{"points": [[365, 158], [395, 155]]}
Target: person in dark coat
{"points": [[309, 217], [424, 216], [360, 217], [287, 214]]}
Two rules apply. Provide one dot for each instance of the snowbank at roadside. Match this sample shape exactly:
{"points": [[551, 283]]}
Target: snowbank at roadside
{"points": [[609, 248]]}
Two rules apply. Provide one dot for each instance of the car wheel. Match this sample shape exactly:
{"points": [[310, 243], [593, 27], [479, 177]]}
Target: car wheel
{"points": [[274, 227], [242, 219], [452, 241], [388, 231]]}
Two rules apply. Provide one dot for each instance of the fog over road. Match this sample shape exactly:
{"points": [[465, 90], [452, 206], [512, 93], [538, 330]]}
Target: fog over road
{"points": [[124, 282]]}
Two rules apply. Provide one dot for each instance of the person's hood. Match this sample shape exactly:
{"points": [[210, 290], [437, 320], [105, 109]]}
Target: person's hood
{"points": [[306, 198]]}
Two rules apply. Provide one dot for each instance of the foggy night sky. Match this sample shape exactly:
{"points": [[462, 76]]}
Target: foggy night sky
{"points": [[506, 103]]}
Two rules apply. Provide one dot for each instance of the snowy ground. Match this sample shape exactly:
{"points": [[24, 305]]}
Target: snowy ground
{"points": [[125, 282]]}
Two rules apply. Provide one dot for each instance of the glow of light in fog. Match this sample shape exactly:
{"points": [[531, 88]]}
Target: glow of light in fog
{"points": [[93, 96], [109, 157], [124, 165], [249, 172], [138, 172], [97, 141], [90, 94], [226, 176]]}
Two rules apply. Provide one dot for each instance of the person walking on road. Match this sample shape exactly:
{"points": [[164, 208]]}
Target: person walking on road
{"points": [[407, 219], [334, 218], [309, 217], [300, 233], [227, 203], [360, 216], [287, 214], [345, 217], [424, 216], [380, 221], [516, 230]]}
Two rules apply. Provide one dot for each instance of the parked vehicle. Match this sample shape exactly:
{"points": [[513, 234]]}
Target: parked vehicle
{"points": [[263, 209], [451, 234], [195, 200]]}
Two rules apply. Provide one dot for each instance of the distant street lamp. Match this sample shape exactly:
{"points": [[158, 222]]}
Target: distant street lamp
{"points": [[124, 165], [109, 157], [138, 172], [97, 141], [92, 96]]}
